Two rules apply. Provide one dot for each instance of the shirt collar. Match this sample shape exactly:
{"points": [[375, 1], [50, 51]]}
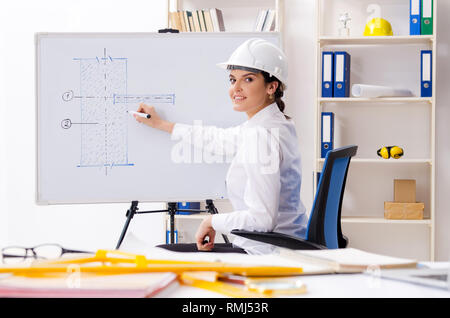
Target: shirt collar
{"points": [[264, 113]]}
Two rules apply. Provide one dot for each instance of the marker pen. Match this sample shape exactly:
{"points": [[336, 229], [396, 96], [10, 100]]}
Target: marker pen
{"points": [[139, 114]]}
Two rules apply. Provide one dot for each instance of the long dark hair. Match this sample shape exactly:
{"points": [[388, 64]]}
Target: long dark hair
{"points": [[278, 93]]}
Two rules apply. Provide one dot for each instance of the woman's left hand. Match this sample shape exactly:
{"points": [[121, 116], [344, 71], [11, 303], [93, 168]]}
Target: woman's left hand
{"points": [[205, 230]]}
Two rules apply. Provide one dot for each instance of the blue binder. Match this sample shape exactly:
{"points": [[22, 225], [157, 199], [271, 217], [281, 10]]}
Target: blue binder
{"points": [[414, 17], [188, 206], [327, 74], [327, 136], [426, 71], [341, 74]]}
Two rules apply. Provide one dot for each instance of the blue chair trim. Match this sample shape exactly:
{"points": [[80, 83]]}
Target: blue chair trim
{"points": [[338, 175]]}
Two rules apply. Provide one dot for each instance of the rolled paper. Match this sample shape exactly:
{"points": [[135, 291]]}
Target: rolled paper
{"points": [[371, 91]]}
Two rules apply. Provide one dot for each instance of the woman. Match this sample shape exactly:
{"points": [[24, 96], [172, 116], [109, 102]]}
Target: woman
{"points": [[264, 177]]}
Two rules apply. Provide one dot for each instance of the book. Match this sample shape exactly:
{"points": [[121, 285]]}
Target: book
{"points": [[208, 21], [269, 23], [182, 21], [77, 285], [201, 18], [217, 16], [263, 22], [186, 21], [191, 21], [260, 20], [215, 22], [346, 260], [196, 21], [175, 20]]}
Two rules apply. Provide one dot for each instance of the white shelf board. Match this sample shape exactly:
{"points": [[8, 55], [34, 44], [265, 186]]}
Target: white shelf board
{"points": [[199, 216], [373, 220], [376, 40], [386, 161], [376, 100]]}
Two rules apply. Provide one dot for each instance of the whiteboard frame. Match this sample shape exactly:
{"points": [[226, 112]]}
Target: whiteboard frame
{"points": [[39, 35]]}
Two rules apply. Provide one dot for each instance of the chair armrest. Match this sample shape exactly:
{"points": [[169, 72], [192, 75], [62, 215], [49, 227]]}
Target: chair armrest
{"points": [[279, 239]]}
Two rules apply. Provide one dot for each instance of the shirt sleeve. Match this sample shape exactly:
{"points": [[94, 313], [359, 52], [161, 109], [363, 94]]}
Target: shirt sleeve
{"points": [[220, 141], [262, 189]]}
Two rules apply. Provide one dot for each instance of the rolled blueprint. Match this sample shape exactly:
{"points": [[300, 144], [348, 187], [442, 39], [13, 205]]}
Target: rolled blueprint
{"points": [[370, 91]]}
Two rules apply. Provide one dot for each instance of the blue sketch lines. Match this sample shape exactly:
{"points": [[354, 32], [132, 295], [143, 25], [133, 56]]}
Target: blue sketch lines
{"points": [[104, 144], [103, 101]]}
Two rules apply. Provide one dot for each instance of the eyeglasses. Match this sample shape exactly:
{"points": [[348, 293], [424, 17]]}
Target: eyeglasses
{"points": [[17, 254]]}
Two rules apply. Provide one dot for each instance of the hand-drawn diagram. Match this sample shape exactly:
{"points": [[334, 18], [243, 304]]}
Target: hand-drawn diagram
{"points": [[103, 101]]}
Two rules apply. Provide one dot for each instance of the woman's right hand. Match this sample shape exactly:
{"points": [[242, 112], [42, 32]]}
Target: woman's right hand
{"points": [[154, 121]]}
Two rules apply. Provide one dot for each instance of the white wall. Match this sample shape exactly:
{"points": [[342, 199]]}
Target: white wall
{"points": [[98, 226], [21, 221]]}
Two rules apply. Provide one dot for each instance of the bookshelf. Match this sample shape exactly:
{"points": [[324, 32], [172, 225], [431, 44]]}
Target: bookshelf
{"points": [[238, 17], [371, 123]]}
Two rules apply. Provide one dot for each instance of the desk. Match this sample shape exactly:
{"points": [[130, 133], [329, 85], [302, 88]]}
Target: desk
{"points": [[338, 286], [318, 286]]}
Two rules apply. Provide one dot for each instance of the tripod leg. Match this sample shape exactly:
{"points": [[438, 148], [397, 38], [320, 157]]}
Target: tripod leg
{"points": [[130, 214], [172, 208]]}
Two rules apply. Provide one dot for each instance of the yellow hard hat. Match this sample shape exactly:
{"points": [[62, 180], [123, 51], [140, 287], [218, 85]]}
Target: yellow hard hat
{"points": [[378, 26]]}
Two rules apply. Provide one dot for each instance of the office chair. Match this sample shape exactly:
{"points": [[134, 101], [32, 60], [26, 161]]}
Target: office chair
{"points": [[324, 225]]}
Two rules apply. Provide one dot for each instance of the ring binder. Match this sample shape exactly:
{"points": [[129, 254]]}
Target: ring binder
{"points": [[327, 133], [426, 82], [341, 74], [414, 17], [327, 74], [426, 26]]}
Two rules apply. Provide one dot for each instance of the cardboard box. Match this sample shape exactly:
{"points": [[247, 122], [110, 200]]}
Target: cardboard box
{"points": [[405, 190], [403, 210]]}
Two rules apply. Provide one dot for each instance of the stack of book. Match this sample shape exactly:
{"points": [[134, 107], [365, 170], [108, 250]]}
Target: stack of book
{"points": [[207, 20], [265, 20]]}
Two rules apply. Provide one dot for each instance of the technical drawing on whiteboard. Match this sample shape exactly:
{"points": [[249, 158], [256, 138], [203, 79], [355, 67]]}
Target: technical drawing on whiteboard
{"points": [[103, 101]]}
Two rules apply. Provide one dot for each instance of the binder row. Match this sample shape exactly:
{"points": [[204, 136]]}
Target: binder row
{"points": [[336, 74], [420, 17], [207, 20]]}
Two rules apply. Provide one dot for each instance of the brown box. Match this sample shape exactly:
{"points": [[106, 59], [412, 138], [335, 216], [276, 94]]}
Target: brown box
{"points": [[405, 191], [403, 210]]}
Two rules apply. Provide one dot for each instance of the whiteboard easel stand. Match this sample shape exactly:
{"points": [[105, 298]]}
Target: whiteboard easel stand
{"points": [[172, 209]]}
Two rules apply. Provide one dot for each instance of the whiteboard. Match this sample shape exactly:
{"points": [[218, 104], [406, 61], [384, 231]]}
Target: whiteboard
{"points": [[90, 150]]}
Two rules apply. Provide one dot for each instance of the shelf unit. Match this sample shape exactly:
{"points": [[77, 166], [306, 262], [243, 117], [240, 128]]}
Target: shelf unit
{"points": [[239, 17], [371, 162]]}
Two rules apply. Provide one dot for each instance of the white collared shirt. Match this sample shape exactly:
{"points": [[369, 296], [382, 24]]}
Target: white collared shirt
{"points": [[264, 177]]}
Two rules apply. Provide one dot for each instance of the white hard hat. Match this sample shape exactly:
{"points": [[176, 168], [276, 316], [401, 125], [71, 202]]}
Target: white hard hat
{"points": [[261, 55]]}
